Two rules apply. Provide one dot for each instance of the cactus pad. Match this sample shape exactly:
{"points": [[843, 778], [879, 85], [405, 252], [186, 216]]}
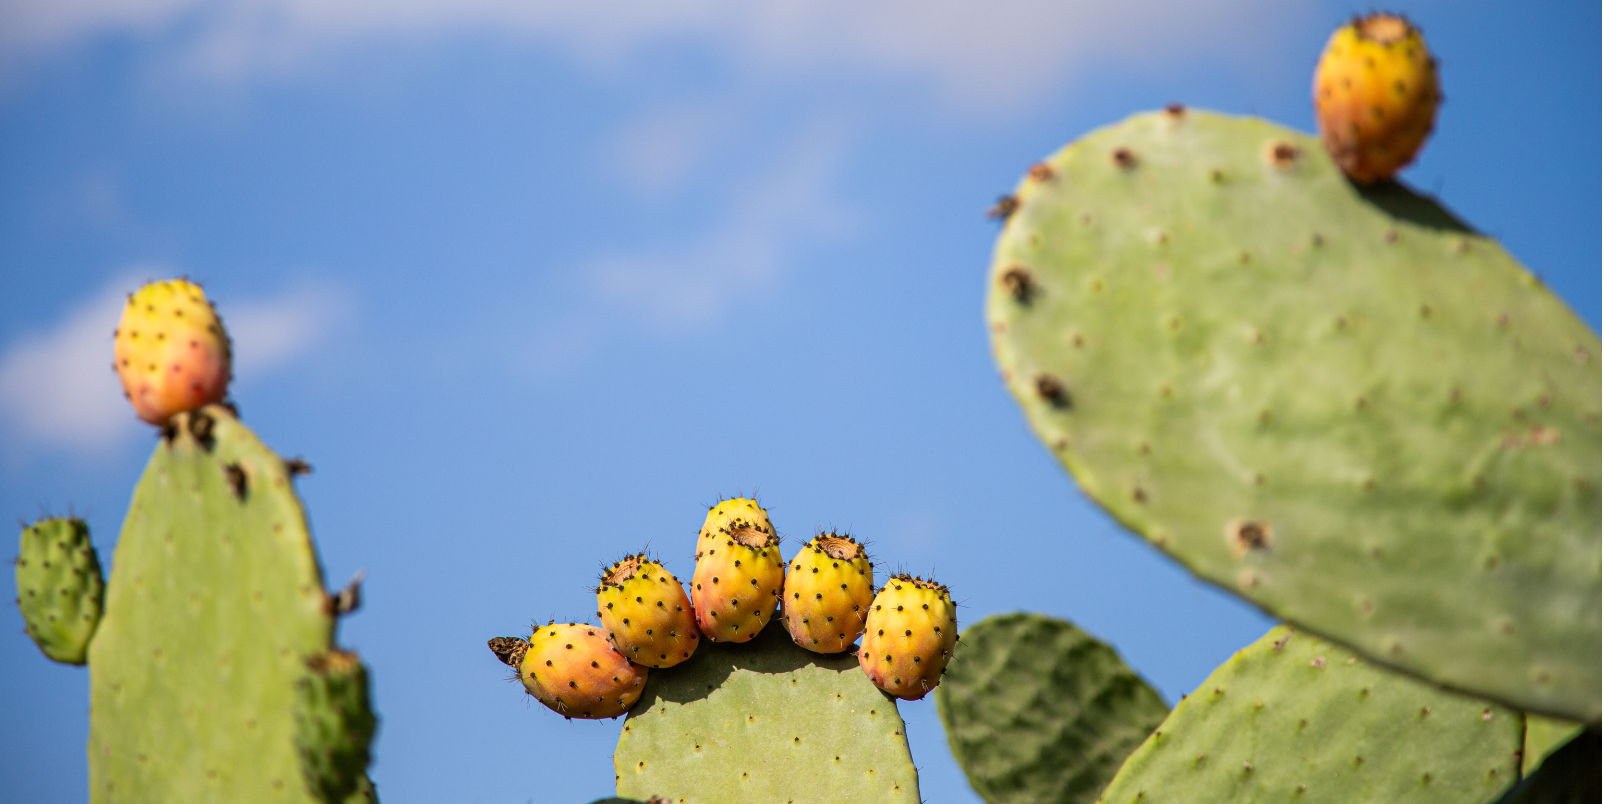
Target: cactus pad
{"points": [[1038, 712], [214, 606], [1346, 408], [59, 587], [334, 725], [1294, 717], [765, 722], [1570, 775]]}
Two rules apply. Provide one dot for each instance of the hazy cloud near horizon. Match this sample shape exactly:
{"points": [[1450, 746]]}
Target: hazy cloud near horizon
{"points": [[976, 55]]}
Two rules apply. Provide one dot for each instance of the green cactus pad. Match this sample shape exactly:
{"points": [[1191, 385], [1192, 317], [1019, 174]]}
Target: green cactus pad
{"points": [[1038, 712], [333, 725], [765, 722], [59, 587], [1543, 736], [215, 603], [1296, 718], [1570, 775], [1344, 407]]}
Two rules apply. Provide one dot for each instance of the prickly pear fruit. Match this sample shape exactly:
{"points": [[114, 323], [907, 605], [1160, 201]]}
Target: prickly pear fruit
{"points": [[172, 352], [1375, 96], [60, 588], [645, 612], [828, 591], [738, 571], [909, 637], [333, 725], [576, 672]]}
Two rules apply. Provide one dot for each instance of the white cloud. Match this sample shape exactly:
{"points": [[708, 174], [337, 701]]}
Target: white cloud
{"points": [[661, 150], [58, 389], [675, 287], [978, 54]]}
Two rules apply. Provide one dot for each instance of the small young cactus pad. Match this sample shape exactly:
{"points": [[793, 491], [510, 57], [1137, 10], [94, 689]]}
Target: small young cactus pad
{"points": [[334, 725], [1295, 718], [1342, 406], [214, 606], [765, 721], [1038, 711], [59, 587]]}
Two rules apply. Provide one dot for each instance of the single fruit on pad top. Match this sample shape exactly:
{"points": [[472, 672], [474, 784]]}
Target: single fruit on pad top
{"points": [[172, 353], [912, 628], [1375, 96], [828, 591], [575, 672], [645, 612], [736, 585]]}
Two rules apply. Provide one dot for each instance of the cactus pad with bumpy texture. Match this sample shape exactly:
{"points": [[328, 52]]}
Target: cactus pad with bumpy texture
{"points": [[1296, 718], [215, 603], [1038, 712], [59, 587], [1344, 407], [765, 722]]}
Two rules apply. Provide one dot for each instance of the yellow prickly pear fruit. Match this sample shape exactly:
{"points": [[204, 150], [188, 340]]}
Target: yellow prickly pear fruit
{"points": [[912, 628], [645, 612], [1375, 96], [172, 354], [828, 591], [576, 672], [738, 571]]}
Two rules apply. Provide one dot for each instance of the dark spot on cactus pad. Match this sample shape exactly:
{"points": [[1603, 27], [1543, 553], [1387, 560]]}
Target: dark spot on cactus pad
{"points": [[1175, 110], [1123, 158], [200, 427], [1281, 155], [1052, 391], [1041, 171], [235, 475], [1006, 205], [1248, 534], [1016, 280]]}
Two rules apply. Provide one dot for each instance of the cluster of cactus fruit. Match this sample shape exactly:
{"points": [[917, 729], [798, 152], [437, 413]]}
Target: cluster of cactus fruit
{"points": [[827, 601], [216, 602]]}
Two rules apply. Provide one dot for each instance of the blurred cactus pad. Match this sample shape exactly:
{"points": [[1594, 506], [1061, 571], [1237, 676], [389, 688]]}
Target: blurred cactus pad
{"points": [[1039, 712], [765, 721], [214, 608], [1296, 718], [1342, 405]]}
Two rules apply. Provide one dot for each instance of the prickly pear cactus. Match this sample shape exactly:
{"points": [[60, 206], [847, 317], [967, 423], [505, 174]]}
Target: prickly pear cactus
{"points": [[59, 587], [1544, 735], [1038, 712], [765, 721], [334, 725], [214, 606], [1293, 717], [1344, 407]]}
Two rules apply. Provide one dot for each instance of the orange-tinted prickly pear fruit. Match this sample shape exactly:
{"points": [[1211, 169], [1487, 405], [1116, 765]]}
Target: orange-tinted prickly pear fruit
{"points": [[172, 353], [828, 590], [738, 571], [912, 628], [575, 672], [646, 613], [1375, 96]]}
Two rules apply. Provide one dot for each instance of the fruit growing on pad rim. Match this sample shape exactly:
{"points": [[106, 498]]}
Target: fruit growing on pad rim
{"points": [[646, 613], [575, 672], [911, 632], [738, 571], [828, 591], [1375, 96], [172, 353]]}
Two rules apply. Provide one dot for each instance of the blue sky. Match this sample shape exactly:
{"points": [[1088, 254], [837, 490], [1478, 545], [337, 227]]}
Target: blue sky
{"points": [[531, 284]]}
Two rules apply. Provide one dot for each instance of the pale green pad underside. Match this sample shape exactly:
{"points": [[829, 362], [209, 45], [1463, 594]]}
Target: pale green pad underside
{"points": [[1293, 711], [213, 605], [1039, 712], [765, 722], [1411, 412]]}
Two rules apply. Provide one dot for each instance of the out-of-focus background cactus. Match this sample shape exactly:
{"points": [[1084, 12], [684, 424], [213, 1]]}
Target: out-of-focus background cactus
{"points": [[516, 282]]}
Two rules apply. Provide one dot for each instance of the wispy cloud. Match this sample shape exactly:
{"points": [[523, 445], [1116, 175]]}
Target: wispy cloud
{"points": [[58, 389], [678, 286], [979, 55]]}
